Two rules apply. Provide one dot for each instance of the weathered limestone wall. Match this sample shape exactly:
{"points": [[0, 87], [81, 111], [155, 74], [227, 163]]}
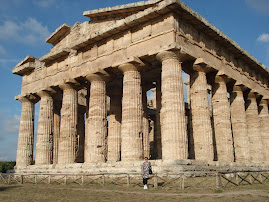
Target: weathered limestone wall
{"points": [[26, 134], [131, 126], [173, 122], [44, 140]]}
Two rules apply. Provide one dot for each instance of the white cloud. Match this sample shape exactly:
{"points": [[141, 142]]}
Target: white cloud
{"points": [[29, 32], [263, 38], [44, 3], [261, 6]]}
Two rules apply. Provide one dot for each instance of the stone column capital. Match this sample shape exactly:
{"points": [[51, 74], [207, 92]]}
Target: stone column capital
{"points": [[66, 86], [166, 55], [220, 79], [43, 93], [128, 67], [23, 99], [200, 68], [97, 77], [27, 98]]}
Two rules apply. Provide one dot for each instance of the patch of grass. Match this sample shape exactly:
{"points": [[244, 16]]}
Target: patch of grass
{"points": [[218, 191]]}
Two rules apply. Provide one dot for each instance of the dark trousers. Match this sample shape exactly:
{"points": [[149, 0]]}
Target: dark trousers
{"points": [[145, 181]]}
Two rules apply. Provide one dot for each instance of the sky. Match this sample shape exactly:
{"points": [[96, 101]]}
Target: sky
{"points": [[25, 24]]}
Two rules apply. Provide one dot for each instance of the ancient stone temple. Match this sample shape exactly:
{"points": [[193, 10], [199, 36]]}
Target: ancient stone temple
{"points": [[94, 109]]}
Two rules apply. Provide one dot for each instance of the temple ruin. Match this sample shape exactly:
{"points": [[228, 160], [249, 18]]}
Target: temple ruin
{"points": [[95, 115]]}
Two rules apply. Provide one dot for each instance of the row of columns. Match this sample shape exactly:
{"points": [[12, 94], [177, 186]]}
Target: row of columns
{"points": [[239, 131]]}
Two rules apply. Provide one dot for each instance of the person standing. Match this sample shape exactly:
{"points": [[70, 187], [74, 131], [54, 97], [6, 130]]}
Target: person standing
{"points": [[145, 172]]}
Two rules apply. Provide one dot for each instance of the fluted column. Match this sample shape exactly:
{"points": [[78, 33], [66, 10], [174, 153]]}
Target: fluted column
{"points": [[239, 125], [173, 121], [201, 122], [145, 123], [264, 120], [114, 126], [189, 124], [44, 139], [222, 120], [56, 130], [158, 137], [68, 129], [253, 129], [131, 128], [81, 133], [26, 133], [96, 124]]}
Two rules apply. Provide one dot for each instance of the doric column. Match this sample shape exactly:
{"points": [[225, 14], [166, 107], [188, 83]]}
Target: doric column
{"points": [[239, 125], [145, 122], [152, 153], [114, 125], [68, 129], [264, 120], [81, 133], [173, 121], [131, 127], [44, 139], [96, 124], [56, 130], [26, 133], [201, 122], [253, 129], [222, 120], [189, 123], [158, 138]]}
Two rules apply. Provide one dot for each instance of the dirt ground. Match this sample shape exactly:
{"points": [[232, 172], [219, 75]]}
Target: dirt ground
{"points": [[95, 192]]}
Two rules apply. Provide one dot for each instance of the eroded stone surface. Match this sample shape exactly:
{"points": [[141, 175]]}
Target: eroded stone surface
{"points": [[44, 140], [114, 126], [95, 138], [264, 121], [201, 122], [26, 134], [56, 130], [253, 129], [131, 128], [68, 129], [222, 121], [173, 122], [239, 125]]}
